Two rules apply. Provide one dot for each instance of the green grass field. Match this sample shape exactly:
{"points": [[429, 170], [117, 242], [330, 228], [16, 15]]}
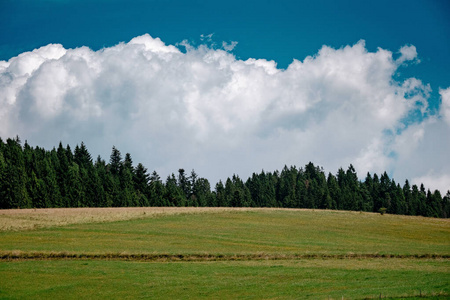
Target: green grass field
{"points": [[246, 254]]}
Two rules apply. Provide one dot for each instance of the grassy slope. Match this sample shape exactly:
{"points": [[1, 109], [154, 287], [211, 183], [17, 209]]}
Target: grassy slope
{"points": [[279, 232], [25, 219], [248, 232]]}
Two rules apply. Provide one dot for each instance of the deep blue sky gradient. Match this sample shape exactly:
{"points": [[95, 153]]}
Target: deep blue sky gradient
{"points": [[277, 30]]}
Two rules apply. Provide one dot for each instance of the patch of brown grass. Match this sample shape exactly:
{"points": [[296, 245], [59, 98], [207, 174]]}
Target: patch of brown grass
{"points": [[34, 255], [26, 219]]}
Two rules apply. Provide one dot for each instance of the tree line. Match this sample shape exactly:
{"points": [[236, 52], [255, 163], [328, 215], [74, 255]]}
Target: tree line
{"points": [[38, 178]]}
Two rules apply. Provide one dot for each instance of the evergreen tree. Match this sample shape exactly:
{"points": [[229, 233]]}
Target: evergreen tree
{"points": [[14, 188], [3, 185], [52, 196], [62, 172], [82, 156], [174, 193], [333, 190], [446, 205], [127, 195], [184, 184], [410, 205], [105, 180], [221, 198], [128, 162], [376, 194], [115, 161], [422, 201], [141, 179], [192, 194], [75, 189], [286, 187], [35, 177], [158, 192], [202, 192]]}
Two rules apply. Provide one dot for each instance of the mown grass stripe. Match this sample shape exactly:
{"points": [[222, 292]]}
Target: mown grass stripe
{"points": [[21, 255]]}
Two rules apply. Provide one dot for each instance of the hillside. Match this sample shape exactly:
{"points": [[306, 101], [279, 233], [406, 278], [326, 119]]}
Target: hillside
{"points": [[222, 253]]}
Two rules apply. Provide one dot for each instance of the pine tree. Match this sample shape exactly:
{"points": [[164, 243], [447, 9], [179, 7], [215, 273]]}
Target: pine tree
{"points": [[15, 191], [184, 185], [286, 187], [75, 189], [410, 206], [202, 191], [82, 156], [3, 185], [446, 205], [105, 180], [174, 194], [333, 189], [157, 190], [220, 194], [192, 196], [115, 161], [62, 174], [141, 179]]}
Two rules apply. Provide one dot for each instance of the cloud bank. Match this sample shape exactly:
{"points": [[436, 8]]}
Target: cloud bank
{"points": [[204, 109]]}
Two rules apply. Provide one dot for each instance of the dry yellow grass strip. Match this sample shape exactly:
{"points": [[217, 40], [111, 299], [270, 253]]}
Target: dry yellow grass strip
{"points": [[25, 219]]}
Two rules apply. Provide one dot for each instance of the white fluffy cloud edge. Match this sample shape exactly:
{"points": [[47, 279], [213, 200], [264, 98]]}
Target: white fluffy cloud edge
{"points": [[204, 109]]}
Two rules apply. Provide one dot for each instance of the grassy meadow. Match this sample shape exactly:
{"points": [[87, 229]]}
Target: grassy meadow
{"points": [[221, 254]]}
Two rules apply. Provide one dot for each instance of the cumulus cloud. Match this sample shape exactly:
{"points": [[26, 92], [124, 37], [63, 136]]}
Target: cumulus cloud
{"points": [[433, 181], [422, 149], [207, 110], [229, 46], [407, 53]]}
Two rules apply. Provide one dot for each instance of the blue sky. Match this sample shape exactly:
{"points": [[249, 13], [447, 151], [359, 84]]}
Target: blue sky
{"points": [[272, 30], [275, 30]]}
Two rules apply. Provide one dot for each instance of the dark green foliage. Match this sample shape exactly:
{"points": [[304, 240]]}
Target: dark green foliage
{"points": [[115, 161], [220, 195], [14, 189], [174, 194], [35, 177]]}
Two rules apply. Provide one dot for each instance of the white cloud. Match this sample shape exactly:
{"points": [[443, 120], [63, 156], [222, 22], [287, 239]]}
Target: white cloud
{"points": [[445, 106], [207, 110], [433, 181], [407, 53], [230, 46], [422, 151]]}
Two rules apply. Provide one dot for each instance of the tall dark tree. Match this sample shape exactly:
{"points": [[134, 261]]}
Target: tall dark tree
{"points": [[221, 198], [3, 186], [184, 184], [82, 156], [75, 189], [141, 178], [286, 187], [192, 194], [333, 190], [14, 188], [128, 162], [104, 181], [202, 192], [174, 194], [446, 205], [410, 205], [115, 161]]}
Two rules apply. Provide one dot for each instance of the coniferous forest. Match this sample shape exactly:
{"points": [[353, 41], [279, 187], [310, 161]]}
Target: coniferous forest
{"points": [[62, 177]]}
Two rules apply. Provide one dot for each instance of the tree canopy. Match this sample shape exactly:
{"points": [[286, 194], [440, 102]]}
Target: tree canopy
{"points": [[36, 178]]}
